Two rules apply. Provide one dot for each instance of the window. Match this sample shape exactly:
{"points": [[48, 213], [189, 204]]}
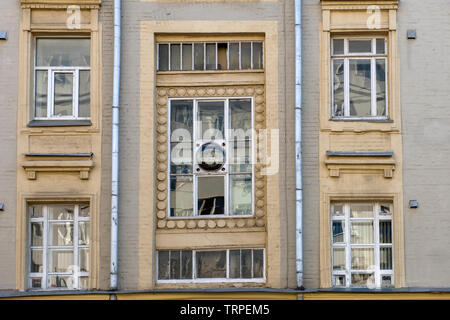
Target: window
{"points": [[211, 171], [62, 78], [243, 55], [359, 78], [202, 265], [59, 246], [362, 244]]}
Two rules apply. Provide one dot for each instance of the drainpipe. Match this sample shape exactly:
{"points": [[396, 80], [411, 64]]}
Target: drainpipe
{"points": [[298, 145], [115, 148]]}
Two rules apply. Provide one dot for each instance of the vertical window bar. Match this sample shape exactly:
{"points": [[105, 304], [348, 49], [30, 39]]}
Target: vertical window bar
{"points": [[204, 55], [240, 58], [192, 56], [373, 83], [157, 56], [217, 53], [181, 265], [346, 87], [377, 245], [348, 254], [228, 56], [253, 276], [227, 265], [227, 156], [169, 60], [251, 55], [76, 270], [44, 284], [262, 54], [49, 93], [76, 83], [194, 160], [181, 56]]}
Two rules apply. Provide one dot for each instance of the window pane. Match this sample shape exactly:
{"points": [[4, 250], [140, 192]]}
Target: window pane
{"points": [[338, 87], [385, 209], [381, 87], [211, 264], [240, 157], [41, 94], [385, 232], [235, 264], [246, 55], [63, 99], [338, 232], [339, 280], [186, 264], [338, 258], [246, 263], [257, 55], [362, 279], [361, 232], [234, 56], [61, 212], [386, 281], [222, 56], [187, 56], [84, 282], [241, 118], [36, 282], [361, 210], [210, 56], [360, 87], [386, 258], [258, 263], [175, 264], [181, 196], [84, 210], [199, 56], [240, 194], [83, 233], [60, 261], [360, 46], [338, 46], [163, 265], [362, 258], [36, 261], [36, 211], [338, 209], [380, 46], [37, 234], [211, 120], [84, 95], [83, 260], [163, 62], [61, 234], [63, 52], [181, 158], [181, 120], [211, 195], [175, 57], [61, 282]]}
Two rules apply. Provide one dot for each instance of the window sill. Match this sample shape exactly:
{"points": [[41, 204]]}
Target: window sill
{"points": [[362, 120], [59, 123]]}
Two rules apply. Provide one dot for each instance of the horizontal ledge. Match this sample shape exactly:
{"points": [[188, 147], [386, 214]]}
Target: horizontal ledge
{"points": [[89, 154], [58, 123], [361, 120], [359, 154]]}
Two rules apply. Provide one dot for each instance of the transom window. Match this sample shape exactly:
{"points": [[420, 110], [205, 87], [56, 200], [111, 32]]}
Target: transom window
{"points": [[210, 163], [359, 78], [62, 78], [362, 244], [211, 265], [59, 246], [241, 55]]}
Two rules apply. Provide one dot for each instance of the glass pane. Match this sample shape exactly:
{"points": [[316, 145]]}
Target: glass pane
{"points": [[83, 259], [360, 46], [362, 259], [362, 280], [63, 52], [181, 196], [163, 265], [61, 282], [63, 99], [163, 55], [36, 282], [381, 87], [186, 264], [84, 210], [84, 282], [361, 232], [234, 56], [246, 263], [175, 57], [83, 233], [61, 234], [338, 232], [241, 118], [222, 56], [36, 211], [258, 264], [235, 264], [199, 56], [240, 157], [211, 264], [338, 209], [338, 46], [61, 212], [361, 210], [175, 264], [211, 120], [338, 258], [257, 55], [386, 281], [385, 232], [246, 55], [37, 234], [41, 94], [386, 258], [181, 120], [60, 261], [385, 209], [187, 56], [36, 261], [360, 87], [181, 158], [211, 195], [240, 194], [210, 56], [84, 95], [380, 46], [338, 87], [339, 281]]}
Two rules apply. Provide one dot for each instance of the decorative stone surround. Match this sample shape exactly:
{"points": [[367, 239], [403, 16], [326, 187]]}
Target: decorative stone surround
{"points": [[164, 222]]}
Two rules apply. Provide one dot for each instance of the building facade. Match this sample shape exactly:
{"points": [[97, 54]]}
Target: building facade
{"points": [[207, 175]]}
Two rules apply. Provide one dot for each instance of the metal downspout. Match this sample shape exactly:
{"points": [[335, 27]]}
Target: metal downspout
{"points": [[298, 145], [115, 148]]}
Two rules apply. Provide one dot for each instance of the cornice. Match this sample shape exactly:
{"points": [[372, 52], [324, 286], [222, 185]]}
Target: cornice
{"points": [[60, 4], [358, 4]]}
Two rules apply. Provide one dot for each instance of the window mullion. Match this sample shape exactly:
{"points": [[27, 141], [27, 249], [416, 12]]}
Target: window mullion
{"points": [[240, 58], [76, 83], [76, 269], [50, 104], [346, 87], [217, 58], [348, 253], [227, 157], [373, 89], [377, 246], [181, 56], [194, 160], [45, 247], [169, 64]]}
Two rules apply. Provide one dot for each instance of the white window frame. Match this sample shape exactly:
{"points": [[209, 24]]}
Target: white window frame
{"points": [[51, 85], [209, 280], [227, 173], [376, 245], [45, 220], [347, 56]]}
